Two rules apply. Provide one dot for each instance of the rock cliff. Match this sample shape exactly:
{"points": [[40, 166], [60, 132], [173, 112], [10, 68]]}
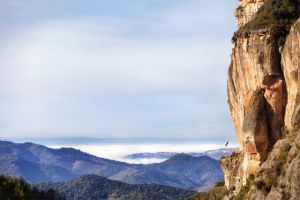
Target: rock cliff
{"points": [[246, 10], [264, 100]]}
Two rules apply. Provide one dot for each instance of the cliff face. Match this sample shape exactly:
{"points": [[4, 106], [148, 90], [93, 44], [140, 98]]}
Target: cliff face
{"points": [[279, 176], [246, 10], [291, 68], [263, 94]]}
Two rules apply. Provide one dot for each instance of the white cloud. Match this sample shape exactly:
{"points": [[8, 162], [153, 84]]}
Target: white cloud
{"points": [[93, 57], [120, 151]]}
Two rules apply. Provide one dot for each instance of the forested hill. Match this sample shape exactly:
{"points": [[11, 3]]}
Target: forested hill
{"points": [[90, 187], [18, 189]]}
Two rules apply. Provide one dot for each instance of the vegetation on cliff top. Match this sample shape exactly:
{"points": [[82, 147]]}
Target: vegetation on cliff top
{"points": [[279, 15]]}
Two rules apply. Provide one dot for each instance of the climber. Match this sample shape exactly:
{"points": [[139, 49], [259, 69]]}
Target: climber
{"points": [[227, 142]]}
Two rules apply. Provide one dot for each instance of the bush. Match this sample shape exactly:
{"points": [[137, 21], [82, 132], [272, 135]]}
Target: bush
{"points": [[246, 188], [220, 184], [268, 177], [278, 15]]}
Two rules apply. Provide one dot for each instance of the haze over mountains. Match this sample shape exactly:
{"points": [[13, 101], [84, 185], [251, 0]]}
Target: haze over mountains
{"points": [[215, 154], [37, 163]]}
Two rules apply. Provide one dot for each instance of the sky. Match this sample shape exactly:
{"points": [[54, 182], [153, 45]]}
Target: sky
{"points": [[115, 68]]}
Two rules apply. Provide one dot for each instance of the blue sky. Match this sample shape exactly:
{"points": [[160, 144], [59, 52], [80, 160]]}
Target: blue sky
{"points": [[115, 68]]}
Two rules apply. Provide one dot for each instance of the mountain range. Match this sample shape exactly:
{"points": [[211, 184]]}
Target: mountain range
{"points": [[215, 154], [36, 163]]}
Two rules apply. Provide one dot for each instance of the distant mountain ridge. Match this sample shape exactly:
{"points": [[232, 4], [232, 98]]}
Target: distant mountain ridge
{"points": [[215, 154], [37, 163], [181, 169], [90, 187]]}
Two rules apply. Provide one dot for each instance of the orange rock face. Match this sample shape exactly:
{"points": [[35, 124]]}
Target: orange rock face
{"points": [[263, 93], [291, 68]]}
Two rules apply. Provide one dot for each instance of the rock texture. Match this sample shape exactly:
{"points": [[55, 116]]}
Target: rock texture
{"points": [[256, 96], [246, 10], [232, 167], [263, 94], [280, 173], [291, 69]]}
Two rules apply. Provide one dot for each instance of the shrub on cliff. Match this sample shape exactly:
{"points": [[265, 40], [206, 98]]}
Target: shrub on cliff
{"points": [[279, 15], [276, 12], [245, 188], [268, 176]]}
